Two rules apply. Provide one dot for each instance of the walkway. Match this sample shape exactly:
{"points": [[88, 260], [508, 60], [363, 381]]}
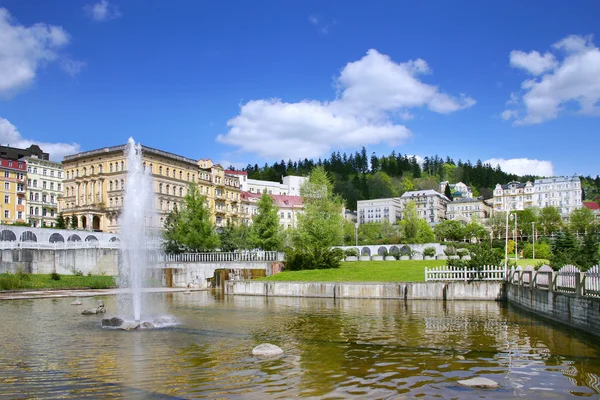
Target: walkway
{"points": [[42, 294]]}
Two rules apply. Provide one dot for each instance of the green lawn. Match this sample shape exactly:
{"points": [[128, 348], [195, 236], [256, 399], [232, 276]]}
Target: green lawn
{"points": [[363, 271], [523, 262], [43, 281]]}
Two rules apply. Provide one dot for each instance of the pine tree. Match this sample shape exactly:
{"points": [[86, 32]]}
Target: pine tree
{"points": [[74, 222], [61, 223], [447, 192], [266, 230]]}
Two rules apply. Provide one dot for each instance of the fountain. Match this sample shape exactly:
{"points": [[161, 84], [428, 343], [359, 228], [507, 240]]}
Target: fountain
{"points": [[137, 243]]}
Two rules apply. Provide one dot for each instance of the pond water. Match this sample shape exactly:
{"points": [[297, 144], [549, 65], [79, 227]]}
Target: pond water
{"points": [[333, 349]]}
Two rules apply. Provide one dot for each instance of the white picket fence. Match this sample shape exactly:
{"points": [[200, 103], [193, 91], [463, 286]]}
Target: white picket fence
{"points": [[569, 279], [446, 273]]}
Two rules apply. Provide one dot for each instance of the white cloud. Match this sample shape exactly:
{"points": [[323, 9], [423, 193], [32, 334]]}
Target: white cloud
{"points": [[23, 50], [370, 92], [574, 81], [10, 136], [72, 67], [523, 166], [102, 11], [533, 62], [509, 114], [313, 19]]}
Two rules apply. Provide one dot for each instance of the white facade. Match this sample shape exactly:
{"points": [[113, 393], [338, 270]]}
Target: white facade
{"points": [[44, 186], [513, 196], [290, 185], [459, 190], [288, 208], [431, 205], [562, 192], [465, 209], [379, 210]]}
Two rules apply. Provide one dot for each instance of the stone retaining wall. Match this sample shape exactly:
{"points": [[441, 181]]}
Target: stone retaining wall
{"points": [[95, 260], [349, 290], [581, 312]]}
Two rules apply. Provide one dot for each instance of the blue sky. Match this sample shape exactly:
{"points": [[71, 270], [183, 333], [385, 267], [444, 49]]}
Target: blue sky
{"points": [[251, 82]]}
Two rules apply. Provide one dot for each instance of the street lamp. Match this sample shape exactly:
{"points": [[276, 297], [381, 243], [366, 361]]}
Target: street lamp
{"points": [[356, 232], [533, 235], [509, 206], [516, 216]]}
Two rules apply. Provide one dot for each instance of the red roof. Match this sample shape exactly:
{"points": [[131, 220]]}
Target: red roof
{"points": [[592, 205], [228, 171], [280, 200]]}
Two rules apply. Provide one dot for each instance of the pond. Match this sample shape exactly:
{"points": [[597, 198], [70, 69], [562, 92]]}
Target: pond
{"points": [[333, 349]]}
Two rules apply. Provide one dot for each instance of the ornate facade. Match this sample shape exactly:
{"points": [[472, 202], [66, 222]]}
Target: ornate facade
{"points": [[95, 182]]}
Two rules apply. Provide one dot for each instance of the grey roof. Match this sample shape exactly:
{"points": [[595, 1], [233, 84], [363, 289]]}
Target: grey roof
{"points": [[428, 192]]}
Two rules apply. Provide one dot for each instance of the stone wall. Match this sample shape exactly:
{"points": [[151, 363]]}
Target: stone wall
{"points": [[581, 312], [348, 290], [197, 274], [64, 261]]}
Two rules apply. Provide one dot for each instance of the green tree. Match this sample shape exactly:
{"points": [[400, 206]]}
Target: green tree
{"points": [[409, 225], [581, 220], [525, 218], [61, 223], [74, 222], [320, 226], [476, 230], [190, 228], [380, 186], [235, 237], [550, 220], [266, 230], [447, 192], [449, 230], [564, 250], [424, 232]]}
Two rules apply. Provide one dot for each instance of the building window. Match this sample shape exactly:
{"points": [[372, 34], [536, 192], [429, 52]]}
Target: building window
{"points": [[51, 185], [122, 165], [10, 163], [37, 197], [44, 184], [45, 172], [180, 192], [6, 174], [6, 186], [36, 211], [160, 170], [110, 186], [20, 215], [6, 199], [167, 171], [19, 200], [110, 167], [44, 198], [6, 214], [174, 191], [20, 165], [44, 212], [160, 188]]}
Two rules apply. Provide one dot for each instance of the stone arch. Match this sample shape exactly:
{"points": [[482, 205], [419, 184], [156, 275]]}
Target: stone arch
{"points": [[405, 250], [83, 222], [8, 236], [28, 236], [365, 251], [381, 251], [91, 238], [114, 239], [56, 237], [394, 250], [74, 238]]}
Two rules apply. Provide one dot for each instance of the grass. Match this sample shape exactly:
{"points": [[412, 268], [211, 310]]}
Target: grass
{"points": [[44, 281], [363, 271]]}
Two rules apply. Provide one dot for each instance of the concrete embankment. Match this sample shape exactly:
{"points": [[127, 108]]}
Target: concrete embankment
{"points": [[581, 312], [371, 290]]}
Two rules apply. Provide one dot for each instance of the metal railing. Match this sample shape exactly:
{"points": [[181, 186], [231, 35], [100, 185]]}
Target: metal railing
{"points": [[14, 245], [217, 257], [569, 279]]}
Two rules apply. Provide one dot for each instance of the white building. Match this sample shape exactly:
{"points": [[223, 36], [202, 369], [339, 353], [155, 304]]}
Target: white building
{"points": [[458, 190], [562, 192], [431, 205], [44, 186], [465, 209], [513, 196], [379, 210], [288, 208]]}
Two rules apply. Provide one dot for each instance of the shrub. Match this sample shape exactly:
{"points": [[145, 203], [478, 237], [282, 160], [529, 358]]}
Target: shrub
{"points": [[429, 251], [351, 253], [542, 250], [299, 260], [481, 255], [55, 276], [100, 283], [462, 252], [450, 251]]}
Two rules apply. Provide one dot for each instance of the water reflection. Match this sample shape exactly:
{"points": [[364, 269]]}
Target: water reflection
{"points": [[333, 349]]}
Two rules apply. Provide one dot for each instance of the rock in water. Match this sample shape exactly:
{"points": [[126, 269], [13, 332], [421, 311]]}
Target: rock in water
{"points": [[146, 325], [114, 321], [267, 350], [130, 325], [479, 383], [100, 308], [76, 302], [90, 311], [100, 304]]}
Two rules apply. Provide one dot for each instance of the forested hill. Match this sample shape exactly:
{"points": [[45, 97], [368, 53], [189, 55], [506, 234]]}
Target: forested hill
{"points": [[359, 177]]}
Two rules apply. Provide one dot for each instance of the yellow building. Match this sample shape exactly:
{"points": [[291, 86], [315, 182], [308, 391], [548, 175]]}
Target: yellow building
{"points": [[95, 181], [13, 187]]}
